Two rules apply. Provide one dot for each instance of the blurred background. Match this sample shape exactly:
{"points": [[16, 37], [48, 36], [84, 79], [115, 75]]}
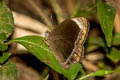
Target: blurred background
{"points": [[35, 17]]}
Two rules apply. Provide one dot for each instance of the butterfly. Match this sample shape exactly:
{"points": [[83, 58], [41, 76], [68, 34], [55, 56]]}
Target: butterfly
{"points": [[67, 41]]}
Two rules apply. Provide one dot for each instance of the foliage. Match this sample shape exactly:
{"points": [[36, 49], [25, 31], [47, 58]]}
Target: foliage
{"points": [[97, 73], [8, 70], [36, 44]]}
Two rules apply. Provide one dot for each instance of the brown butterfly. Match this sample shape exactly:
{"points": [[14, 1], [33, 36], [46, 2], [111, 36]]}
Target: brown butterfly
{"points": [[67, 40]]}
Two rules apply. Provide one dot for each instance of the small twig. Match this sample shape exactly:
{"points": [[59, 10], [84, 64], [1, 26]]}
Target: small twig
{"points": [[70, 6], [88, 65], [41, 14], [29, 23], [117, 22], [46, 78], [76, 9], [58, 10]]}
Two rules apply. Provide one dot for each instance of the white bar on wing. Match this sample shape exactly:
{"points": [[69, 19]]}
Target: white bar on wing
{"points": [[80, 24]]}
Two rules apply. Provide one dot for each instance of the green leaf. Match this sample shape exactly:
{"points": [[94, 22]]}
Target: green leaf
{"points": [[98, 41], [83, 13], [114, 55], [5, 56], [106, 15], [37, 46], [2, 37], [8, 71], [3, 47], [97, 73], [6, 20], [101, 72], [118, 70], [87, 9], [116, 39]]}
